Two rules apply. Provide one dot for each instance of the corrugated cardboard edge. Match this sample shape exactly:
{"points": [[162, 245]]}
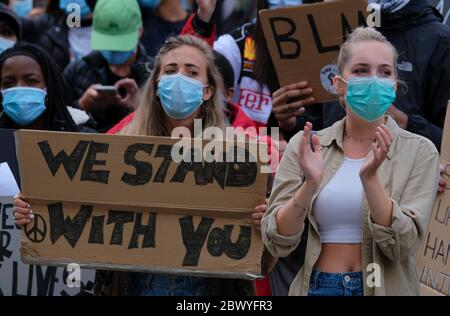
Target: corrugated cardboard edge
{"points": [[36, 260], [428, 291], [163, 208]]}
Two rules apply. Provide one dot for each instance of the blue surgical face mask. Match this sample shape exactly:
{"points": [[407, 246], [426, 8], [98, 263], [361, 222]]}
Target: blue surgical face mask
{"points": [[370, 97], [5, 44], [283, 3], [22, 7], [149, 3], [180, 96], [24, 105], [117, 58], [85, 10]]}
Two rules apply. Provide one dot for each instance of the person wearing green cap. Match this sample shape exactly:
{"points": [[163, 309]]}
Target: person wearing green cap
{"points": [[117, 60]]}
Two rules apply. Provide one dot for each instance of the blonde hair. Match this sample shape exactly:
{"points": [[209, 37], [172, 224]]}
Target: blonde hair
{"points": [[363, 34], [150, 116]]}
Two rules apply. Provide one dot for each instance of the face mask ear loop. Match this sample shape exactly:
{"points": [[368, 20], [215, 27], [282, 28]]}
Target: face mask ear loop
{"points": [[345, 81], [204, 87]]}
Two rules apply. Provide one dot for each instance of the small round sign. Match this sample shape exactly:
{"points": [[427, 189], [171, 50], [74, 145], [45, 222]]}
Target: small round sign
{"points": [[326, 77]]}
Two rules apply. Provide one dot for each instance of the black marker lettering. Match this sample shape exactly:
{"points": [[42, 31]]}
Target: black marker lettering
{"points": [[71, 229], [5, 216], [320, 48], [240, 248], [193, 240], [119, 218], [164, 151], [96, 234], [71, 163], [5, 240], [144, 170], [285, 38], [216, 242], [147, 230], [88, 173]]}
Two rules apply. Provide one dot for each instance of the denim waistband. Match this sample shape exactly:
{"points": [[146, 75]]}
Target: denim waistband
{"points": [[337, 279]]}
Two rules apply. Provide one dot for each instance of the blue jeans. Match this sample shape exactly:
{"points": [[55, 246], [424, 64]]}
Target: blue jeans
{"points": [[148, 284], [336, 284]]}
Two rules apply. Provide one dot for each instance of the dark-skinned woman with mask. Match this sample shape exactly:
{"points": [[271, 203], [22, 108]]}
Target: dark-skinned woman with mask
{"points": [[32, 92]]}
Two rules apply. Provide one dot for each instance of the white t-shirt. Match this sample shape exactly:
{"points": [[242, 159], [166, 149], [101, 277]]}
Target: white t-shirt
{"points": [[8, 185], [338, 208]]}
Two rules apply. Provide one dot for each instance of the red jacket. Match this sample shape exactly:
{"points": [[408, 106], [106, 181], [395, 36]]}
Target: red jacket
{"points": [[237, 118], [191, 29]]}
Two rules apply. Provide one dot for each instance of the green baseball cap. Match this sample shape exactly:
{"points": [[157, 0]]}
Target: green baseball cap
{"points": [[116, 25]]}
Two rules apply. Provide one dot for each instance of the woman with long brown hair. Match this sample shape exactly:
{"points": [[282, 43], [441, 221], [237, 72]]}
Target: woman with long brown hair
{"points": [[183, 86]]}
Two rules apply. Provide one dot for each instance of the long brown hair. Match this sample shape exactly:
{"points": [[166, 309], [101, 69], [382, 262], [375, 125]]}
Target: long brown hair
{"points": [[150, 116]]}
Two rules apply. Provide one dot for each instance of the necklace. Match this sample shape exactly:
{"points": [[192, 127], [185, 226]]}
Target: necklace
{"points": [[359, 140]]}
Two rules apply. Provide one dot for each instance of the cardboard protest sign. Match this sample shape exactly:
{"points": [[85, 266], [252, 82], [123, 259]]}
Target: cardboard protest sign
{"points": [[433, 257], [20, 279], [304, 41], [123, 203]]}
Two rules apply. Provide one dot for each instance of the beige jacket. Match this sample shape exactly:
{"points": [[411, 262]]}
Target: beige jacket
{"points": [[410, 175]]}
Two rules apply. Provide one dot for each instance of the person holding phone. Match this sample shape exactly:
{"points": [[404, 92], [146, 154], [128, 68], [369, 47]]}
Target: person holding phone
{"points": [[117, 60]]}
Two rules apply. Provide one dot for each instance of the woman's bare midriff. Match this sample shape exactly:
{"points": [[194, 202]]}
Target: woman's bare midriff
{"points": [[340, 258]]}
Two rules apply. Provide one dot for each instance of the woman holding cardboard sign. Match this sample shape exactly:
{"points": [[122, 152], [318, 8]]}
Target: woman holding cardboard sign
{"points": [[366, 186], [183, 87]]}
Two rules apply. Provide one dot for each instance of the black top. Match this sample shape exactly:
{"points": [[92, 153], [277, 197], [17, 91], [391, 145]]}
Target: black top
{"points": [[157, 30]]}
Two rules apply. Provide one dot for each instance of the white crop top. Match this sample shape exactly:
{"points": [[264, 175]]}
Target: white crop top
{"points": [[339, 206]]}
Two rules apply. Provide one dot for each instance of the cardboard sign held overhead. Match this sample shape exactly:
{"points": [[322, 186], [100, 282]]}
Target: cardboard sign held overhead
{"points": [[122, 203], [433, 257], [304, 41]]}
